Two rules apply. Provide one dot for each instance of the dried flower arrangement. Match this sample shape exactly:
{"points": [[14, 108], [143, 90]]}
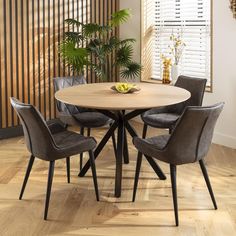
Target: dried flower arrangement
{"points": [[233, 7], [177, 47]]}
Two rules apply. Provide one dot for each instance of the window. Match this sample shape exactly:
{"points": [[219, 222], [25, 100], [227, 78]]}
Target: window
{"points": [[189, 18]]}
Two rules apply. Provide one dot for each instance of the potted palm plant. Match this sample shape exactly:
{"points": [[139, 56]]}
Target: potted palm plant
{"points": [[89, 45]]}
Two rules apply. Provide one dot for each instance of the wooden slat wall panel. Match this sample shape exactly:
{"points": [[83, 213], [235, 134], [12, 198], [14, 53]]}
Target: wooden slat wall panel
{"points": [[29, 35]]}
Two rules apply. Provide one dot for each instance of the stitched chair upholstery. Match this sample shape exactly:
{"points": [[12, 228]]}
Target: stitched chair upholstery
{"points": [[188, 143], [50, 143], [74, 115], [166, 117]]}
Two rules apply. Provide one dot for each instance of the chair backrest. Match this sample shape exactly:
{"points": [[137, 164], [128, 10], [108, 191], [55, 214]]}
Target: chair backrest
{"points": [[195, 86], [192, 135], [65, 82], [39, 140]]}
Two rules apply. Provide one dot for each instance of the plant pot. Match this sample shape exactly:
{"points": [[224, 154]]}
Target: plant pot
{"points": [[174, 73]]}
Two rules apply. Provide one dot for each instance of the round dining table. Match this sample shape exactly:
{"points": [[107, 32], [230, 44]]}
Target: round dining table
{"points": [[121, 108]]}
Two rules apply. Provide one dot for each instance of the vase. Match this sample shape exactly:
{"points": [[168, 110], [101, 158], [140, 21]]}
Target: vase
{"points": [[166, 75], [174, 73]]}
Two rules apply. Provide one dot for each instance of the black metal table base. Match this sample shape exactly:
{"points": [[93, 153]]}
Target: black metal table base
{"points": [[121, 123]]}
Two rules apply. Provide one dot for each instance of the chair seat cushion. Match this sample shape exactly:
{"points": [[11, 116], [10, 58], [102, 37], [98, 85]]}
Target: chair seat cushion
{"points": [[85, 119], [152, 147], [70, 143], [158, 141], [161, 120], [56, 127], [92, 119], [67, 119]]}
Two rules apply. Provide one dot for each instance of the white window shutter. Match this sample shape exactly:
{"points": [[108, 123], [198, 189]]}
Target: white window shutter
{"points": [[190, 18]]}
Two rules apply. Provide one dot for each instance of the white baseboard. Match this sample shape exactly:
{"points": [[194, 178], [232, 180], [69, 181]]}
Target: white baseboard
{"points": [[225, 140]]}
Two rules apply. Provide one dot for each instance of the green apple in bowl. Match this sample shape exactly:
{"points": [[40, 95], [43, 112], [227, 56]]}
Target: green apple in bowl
{"points": [[125, 88]]}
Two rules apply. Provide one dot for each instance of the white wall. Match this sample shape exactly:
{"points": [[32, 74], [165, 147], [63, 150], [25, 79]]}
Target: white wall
{"points": [[132, 28], [224, 64]]}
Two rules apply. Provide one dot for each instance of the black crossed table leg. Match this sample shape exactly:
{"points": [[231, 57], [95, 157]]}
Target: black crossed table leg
{"points": [[121, 122]]}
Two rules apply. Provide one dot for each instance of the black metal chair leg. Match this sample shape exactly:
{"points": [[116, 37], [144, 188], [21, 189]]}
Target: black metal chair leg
{"points": [[81, 154], [174, 192], [125, 149], [99, 148], [30, 164], [204, 172], [88, 132], [119, 158], [144, 131], [138, 166], [144, 136], [140, 160], [114, 141], [125, 145], [92, 163], [68, 169], [49, 186]]}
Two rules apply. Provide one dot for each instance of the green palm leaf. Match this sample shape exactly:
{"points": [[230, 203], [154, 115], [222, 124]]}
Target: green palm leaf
{"points": [[92, 28], [131, 70], [87, 44], [127, 41], [73, 22], [75, 37], [94, 43], [112, 43], [99, 71], [120, 17], [124, 55], [76, 57]]}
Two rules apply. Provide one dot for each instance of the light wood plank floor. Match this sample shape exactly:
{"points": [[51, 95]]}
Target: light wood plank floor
{"points": [[74, 211]]}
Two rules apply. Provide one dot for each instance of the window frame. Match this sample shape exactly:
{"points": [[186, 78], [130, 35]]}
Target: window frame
{"points": [[209, 88]]}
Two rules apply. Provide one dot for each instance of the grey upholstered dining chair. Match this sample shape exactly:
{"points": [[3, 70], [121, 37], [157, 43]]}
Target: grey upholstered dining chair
{"points": [[74, 115], [166, 117], [188, 143], [50, 143]]}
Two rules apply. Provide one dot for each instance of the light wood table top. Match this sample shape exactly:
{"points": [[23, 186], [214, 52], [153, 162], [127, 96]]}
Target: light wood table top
{"points": [[100, 96]]}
